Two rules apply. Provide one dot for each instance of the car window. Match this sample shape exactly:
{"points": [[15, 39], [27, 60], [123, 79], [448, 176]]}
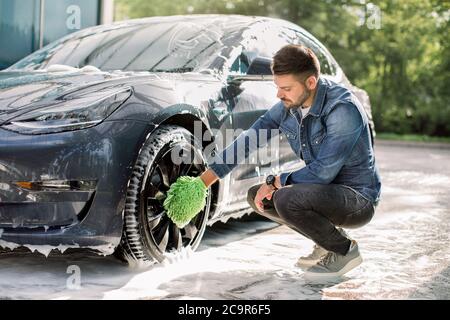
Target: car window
{"points": [[261, 40], [267, 39], [327, 65], [240, 65]]}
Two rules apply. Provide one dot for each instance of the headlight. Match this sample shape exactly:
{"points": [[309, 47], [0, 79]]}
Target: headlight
{"points": [[70, 114]]}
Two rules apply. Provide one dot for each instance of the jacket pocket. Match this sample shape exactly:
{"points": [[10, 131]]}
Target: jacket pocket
{"points": [[289, 133], [318, 138], [292, 139]]}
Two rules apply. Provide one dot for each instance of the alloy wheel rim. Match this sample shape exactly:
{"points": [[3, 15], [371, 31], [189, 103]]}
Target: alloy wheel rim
{"points": [[164, 234]]}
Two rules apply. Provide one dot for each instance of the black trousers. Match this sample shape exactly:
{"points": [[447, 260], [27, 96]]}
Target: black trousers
{"points": [[315, 210]]}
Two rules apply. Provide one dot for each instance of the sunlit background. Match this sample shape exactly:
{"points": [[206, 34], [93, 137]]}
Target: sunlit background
{"points": [[398, 51]]}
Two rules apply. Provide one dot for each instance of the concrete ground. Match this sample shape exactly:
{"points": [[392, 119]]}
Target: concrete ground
{"points": [[405, 249]]}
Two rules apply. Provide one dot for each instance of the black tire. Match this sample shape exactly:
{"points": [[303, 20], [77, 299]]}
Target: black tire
{"points": [[149, 236]]}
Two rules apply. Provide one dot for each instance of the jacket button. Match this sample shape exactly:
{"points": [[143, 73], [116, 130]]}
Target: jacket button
{"points": [[303, 145]]}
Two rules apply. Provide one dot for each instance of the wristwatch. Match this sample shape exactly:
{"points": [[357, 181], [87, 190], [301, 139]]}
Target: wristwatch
{"points": [[270, 180]]}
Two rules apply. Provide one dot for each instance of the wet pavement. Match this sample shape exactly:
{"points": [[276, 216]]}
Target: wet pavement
{"points": [[405, 249]]}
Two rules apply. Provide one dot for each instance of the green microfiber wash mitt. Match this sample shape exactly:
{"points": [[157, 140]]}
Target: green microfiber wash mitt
{"points": [[185, 199]]}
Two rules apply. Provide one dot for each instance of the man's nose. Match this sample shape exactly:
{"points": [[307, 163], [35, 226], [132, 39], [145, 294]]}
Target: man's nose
{"points": [[279, 94]]}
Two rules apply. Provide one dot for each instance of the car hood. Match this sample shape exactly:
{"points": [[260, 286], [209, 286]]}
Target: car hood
{"points": [[21, 92]]}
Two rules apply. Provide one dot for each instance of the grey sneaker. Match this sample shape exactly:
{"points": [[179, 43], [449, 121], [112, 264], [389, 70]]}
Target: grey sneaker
{"points": [[310, 260], [334, 265]]}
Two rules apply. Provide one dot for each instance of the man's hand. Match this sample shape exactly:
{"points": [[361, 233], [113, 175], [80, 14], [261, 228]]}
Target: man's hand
{"points": [[264, 192]]}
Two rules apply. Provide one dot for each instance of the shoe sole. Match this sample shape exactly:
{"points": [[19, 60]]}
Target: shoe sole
{"points": [[325, 276], [306, 265]]}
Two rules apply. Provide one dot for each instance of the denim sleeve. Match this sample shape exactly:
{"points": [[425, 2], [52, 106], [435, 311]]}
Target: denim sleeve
{"points": [[344, 127], [258, 135]]}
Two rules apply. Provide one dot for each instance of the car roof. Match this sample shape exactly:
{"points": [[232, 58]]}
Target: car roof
{"points": [[228, 23]]}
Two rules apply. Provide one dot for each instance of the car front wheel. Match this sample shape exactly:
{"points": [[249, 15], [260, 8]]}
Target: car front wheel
{"points": [[148, 233]]}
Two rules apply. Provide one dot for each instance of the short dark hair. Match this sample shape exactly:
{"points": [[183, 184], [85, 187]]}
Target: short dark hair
{"points": [[295, 59]]}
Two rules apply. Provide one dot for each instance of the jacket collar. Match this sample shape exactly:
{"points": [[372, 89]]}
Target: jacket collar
{"points": [[319, 100]]}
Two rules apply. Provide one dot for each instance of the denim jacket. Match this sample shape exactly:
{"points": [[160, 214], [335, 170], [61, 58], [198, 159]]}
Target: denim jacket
{"points": [[333, 139]]}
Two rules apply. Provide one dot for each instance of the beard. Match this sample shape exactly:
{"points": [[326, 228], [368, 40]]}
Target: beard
{"points": [[299, 102]]}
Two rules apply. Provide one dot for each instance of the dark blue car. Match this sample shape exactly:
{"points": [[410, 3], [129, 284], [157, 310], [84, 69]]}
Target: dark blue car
{"points": [[88, 125]]}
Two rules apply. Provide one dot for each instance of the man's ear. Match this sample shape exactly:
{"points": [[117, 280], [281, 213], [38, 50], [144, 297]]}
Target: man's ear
{"points": [[311, 82]]}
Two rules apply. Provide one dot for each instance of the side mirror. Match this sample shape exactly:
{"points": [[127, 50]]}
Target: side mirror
{"points": [[260, 66], [258, 70]]}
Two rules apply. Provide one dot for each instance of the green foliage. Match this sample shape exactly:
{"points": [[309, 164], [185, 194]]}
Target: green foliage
{"points": [[185, 199], [412, 137], [403, 63]]}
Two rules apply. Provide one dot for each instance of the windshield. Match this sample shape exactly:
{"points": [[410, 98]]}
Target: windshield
{"points": [[162, 46]]}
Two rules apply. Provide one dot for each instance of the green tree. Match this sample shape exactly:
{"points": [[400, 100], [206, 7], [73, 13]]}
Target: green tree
{"points": [[403, 63]]}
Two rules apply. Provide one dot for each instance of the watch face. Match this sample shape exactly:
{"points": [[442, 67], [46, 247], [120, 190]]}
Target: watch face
{"points": [[270, 180]]}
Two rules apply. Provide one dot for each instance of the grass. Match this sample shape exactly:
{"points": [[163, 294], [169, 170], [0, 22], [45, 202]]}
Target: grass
{"points": [[412, 137]]}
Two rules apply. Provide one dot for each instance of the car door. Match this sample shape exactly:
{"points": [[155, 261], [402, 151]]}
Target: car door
{"points": [[250, 97]]}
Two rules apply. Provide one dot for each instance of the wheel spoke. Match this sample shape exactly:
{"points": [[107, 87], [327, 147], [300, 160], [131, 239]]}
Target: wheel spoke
{"points": [[177, 239], [162, 237], [191, 230], [152, 189], [186, 169], [155, 220], [165, 174], [198, 167], [175, 172], [163, 244]]}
